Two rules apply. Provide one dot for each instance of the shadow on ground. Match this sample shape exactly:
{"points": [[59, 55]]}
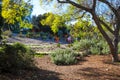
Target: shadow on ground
{"points": [[97, 74], [35, 74]]}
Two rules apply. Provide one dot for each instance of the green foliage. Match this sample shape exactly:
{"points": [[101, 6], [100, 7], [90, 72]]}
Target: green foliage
{"points": [[39, 54], [83, 29], [92, 46], [32, 35], [82, 45], [54, 21], [99, 47], [63, 57], [58, 44], [15, 57], [29, 34], [7, 33]]}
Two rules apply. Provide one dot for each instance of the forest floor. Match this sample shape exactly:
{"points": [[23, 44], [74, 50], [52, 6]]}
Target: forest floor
{"points": [[92, 67]]}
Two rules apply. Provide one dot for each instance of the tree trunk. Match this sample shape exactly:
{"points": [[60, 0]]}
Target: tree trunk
{"points": [[115, 57], [112, 44], [114, 48]]}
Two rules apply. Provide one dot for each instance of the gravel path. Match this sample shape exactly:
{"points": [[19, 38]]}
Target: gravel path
{"points": [[40, 46]]}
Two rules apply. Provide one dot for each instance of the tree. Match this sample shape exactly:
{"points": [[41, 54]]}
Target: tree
{"points": [[16, 13], [83, 29], [54, 21], [99, 10]]}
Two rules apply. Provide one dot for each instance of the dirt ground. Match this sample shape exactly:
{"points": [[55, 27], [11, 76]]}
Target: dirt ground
{"points": [[93, 67]]}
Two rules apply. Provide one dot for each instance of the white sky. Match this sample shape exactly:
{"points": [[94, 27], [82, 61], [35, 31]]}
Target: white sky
{"points": [[38, 9]]}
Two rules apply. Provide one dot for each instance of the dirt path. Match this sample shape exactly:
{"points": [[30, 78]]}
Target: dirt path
{"points": [[37, 44]]}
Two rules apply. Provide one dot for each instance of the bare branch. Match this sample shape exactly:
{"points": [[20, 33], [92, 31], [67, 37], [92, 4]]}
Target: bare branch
{"points": [[110, 6], [81, 15]]}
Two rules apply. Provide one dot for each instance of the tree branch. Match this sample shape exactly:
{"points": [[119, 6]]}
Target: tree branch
{"points": [[75, 4], [106, 26], [110, 6], [108, 39], [94, 5]]}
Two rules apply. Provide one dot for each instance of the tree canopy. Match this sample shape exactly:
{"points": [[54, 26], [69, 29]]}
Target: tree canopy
{"points": [[16, 12], [54, 21]]}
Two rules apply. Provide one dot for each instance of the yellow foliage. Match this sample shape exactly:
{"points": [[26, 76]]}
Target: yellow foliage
{"points": [[14, 12]]}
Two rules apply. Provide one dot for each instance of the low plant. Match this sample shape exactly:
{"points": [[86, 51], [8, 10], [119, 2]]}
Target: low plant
{"points": [[30, 34], [92, 46], [58, 44], [7, 33], [100, 47], [82, 45], [63, 57]]}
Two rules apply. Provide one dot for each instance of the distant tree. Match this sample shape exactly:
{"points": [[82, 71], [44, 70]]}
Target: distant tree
{"points": [[54, 21], [38, 26], [100, 11], [83, 29]]}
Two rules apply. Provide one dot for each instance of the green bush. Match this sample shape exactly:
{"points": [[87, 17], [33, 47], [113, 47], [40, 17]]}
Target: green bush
{"points": [[94, 50], [58, 44], [15, 57], [7, 33], [92, 46], [100, 47], [30, 34], [82, 45], [63, 57]]}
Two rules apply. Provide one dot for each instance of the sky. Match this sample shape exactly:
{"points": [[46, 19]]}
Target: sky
{"points": [[38, 9]]}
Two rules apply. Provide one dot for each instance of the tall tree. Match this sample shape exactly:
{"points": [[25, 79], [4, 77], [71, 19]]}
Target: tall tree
{"points": [[99, 11]]}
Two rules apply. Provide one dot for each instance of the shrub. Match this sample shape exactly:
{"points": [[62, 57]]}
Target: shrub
{"points": [[92, 46], [82, 45], [63, 57], [58, 45], [100, 47], [7, 33], [94, 50], [15, 57]]}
